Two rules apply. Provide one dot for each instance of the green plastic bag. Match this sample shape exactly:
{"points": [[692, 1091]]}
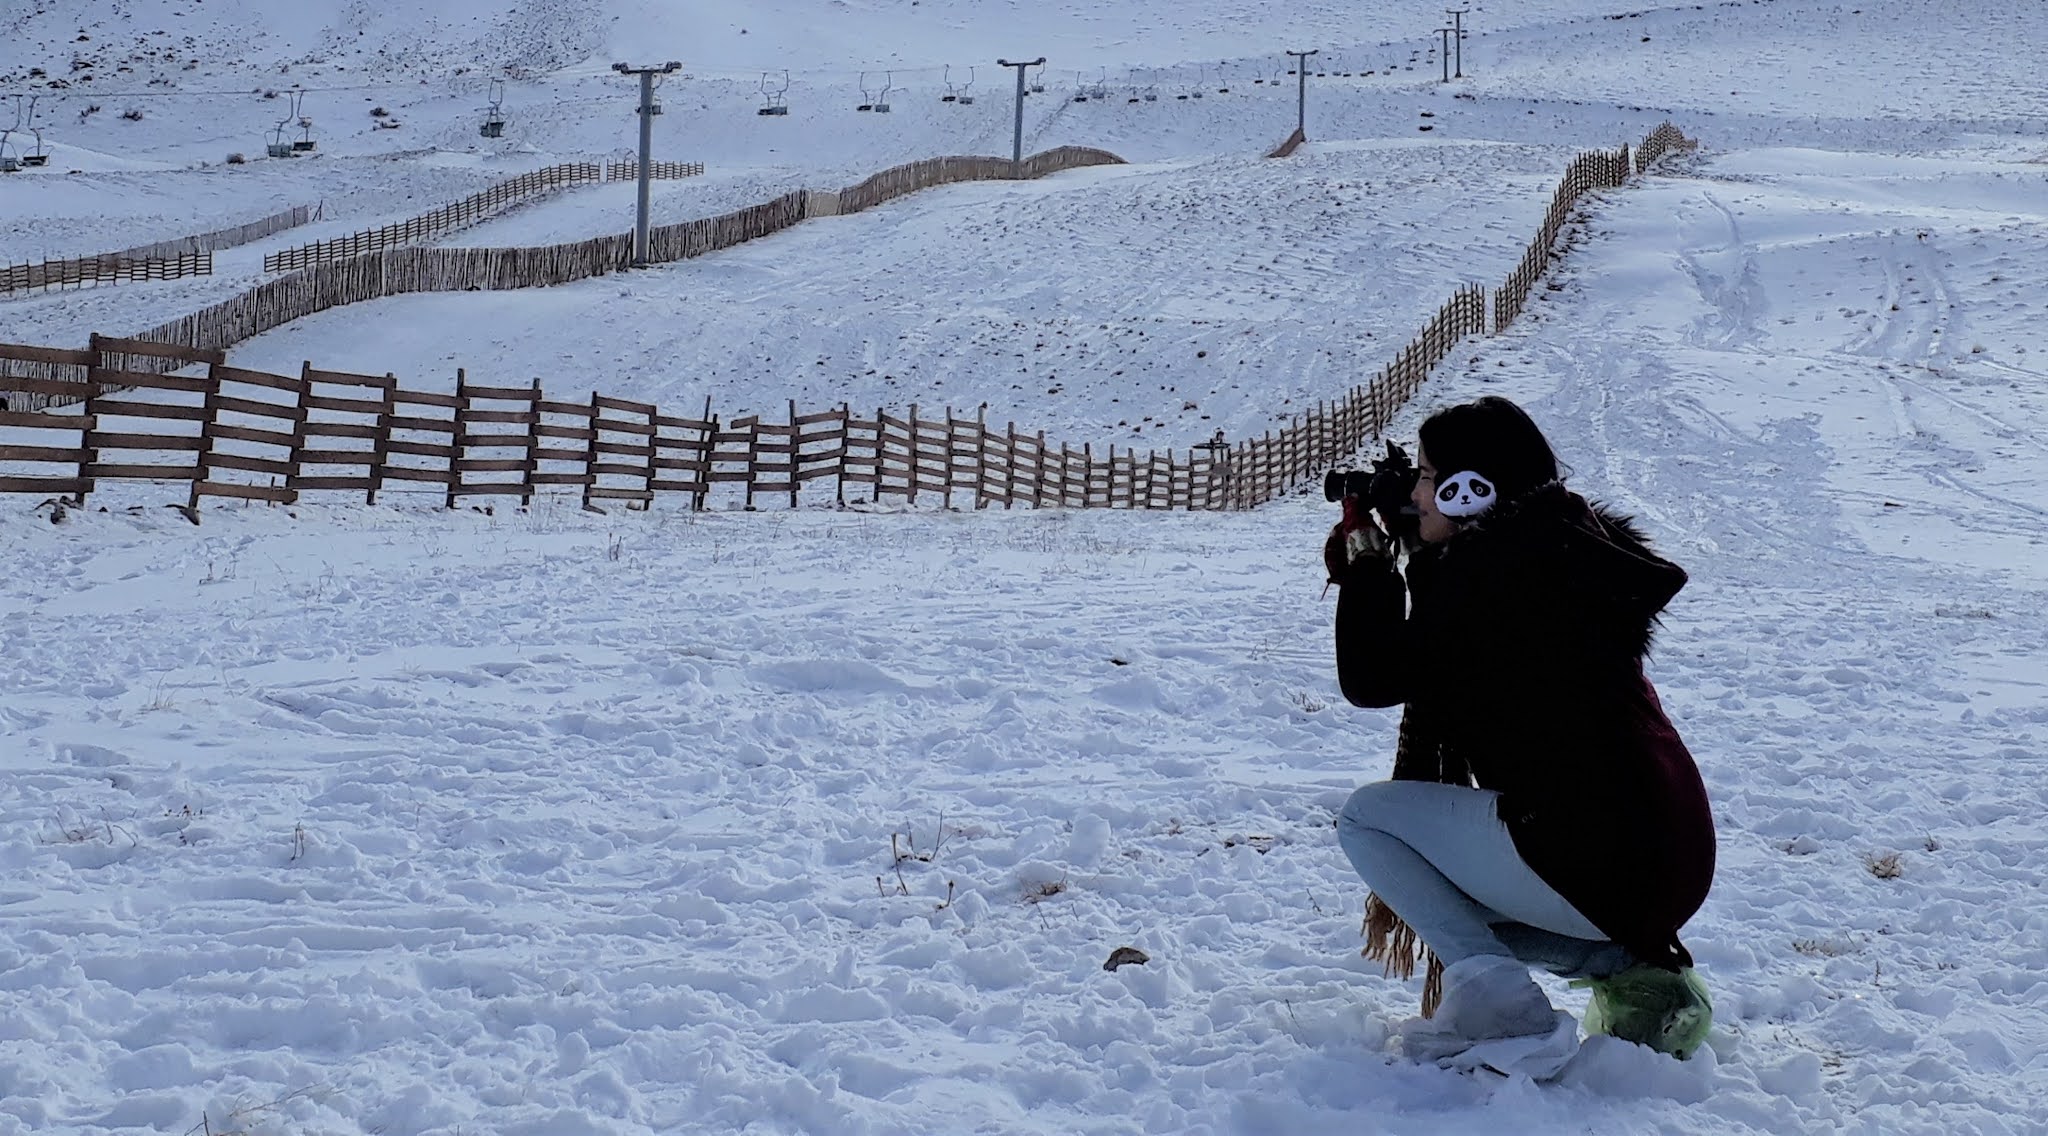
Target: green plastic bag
{"points": [[1669, 1012]]}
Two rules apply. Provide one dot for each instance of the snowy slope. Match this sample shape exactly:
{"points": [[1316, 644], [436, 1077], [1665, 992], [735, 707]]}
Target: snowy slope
{"points": [[336, 820], [551, 822], [1160, 302]]}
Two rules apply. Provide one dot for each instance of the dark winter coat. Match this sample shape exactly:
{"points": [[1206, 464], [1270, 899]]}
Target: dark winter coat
{"points": [[1520, 664]]}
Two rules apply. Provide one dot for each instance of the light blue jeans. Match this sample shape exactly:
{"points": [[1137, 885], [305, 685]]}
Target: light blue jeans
{"points": [[1441, 858]]}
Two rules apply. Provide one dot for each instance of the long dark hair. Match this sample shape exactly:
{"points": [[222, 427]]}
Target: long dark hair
{"points": [[1493, 438]]}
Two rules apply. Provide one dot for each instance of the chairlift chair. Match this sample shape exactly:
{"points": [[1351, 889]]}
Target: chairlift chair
{"points": [[882, 100], [1222, 80], [776, 104], [41, 157], [304, 144], [967, 89], [494, 117], [1038, 80], [867, 101], [280, 146], [9, 163], [952, 94]]}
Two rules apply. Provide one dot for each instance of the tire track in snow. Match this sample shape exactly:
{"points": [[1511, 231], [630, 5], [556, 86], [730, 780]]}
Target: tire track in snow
{"points": [[1725, 272]]}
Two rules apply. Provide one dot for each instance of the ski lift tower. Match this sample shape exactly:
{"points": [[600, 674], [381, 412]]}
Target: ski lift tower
{"points": [[1301, 89], [1017, 144], [648, 109]]}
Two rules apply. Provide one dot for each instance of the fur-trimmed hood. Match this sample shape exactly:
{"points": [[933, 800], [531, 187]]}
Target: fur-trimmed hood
{"points": [[1568, 547]]}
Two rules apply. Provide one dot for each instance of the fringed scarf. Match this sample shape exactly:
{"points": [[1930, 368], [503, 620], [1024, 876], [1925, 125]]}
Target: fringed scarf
{"points": [[1420, 755]]}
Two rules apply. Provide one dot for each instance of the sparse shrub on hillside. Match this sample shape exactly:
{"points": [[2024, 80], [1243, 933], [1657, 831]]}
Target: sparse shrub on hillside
{"points": [[132, 114], [379, 112], [236, 159]]}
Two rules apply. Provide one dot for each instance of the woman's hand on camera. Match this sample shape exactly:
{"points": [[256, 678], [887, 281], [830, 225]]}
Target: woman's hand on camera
{"points": [[1352, 540]]}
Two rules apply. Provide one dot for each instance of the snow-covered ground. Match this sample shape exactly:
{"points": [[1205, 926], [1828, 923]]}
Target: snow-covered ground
{"points": [[346, 820]]}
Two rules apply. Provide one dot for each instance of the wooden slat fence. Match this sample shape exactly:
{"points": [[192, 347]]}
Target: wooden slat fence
{"points": [[111, 268], [272, 438], [1661, 141], [477, 207], [1599, 169], [341, 424], [162, 260], [277, 302], [629, 170], [912, 177], [41, 449], [232, 236]]}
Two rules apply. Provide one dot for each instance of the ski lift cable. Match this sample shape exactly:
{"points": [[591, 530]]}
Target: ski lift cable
{"points": [[80, 94], [723, 71]]}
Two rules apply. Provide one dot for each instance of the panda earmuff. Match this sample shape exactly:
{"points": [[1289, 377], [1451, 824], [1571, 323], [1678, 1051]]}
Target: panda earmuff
{"points": [[1464, 495]]}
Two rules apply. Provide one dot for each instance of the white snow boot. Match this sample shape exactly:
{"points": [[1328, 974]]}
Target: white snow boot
{"points": [[1494, 1016]]}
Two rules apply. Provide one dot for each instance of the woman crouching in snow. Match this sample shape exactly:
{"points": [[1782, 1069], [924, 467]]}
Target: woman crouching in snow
{"points": [[1542, 811]]}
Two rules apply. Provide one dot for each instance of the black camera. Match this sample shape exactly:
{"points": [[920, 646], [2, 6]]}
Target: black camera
{"points": [[1341, 483], [1385, 488]]}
